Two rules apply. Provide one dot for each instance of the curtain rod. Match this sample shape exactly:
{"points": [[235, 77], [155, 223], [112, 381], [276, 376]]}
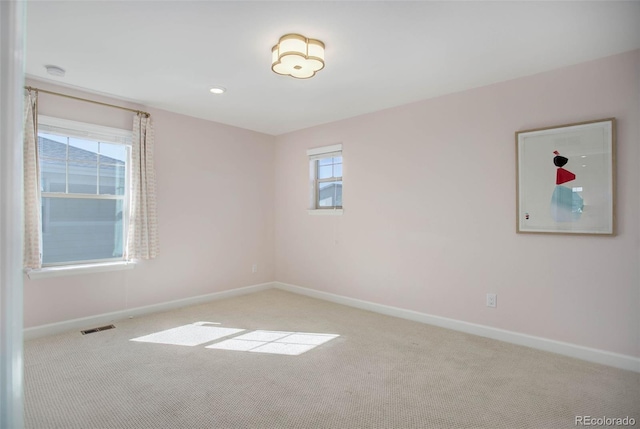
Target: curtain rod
{"points": [[31, 88]]}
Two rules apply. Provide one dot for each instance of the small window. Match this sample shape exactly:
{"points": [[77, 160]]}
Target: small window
{"points": [[84, 183], [325, 171]]}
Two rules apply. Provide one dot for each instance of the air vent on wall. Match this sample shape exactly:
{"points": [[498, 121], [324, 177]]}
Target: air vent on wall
{"points": [[101, 328]]}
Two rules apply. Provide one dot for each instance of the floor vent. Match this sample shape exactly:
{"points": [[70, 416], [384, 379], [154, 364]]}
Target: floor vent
{"points": [[101, 328]]}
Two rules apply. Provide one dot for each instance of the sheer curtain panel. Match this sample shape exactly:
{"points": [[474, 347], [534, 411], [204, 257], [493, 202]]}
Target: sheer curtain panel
{"points": [[142, 237], [32, 211]]}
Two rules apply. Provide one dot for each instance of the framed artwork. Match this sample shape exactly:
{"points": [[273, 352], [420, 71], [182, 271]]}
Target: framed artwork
{"points": [[566, 179]]}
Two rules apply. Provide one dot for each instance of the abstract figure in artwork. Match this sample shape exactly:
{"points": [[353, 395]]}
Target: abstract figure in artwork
{"points": [[566, 205]]}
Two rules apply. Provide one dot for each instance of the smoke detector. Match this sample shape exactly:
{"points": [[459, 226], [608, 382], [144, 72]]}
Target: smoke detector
{"points": [[55, 70]]}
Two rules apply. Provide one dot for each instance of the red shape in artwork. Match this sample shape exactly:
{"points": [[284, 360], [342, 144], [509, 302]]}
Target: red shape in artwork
{"points": [[564, 176]]}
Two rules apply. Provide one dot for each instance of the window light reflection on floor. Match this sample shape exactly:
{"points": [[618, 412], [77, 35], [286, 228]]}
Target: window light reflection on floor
{"points": [[275, 342], [260, 341], [189, 335]]}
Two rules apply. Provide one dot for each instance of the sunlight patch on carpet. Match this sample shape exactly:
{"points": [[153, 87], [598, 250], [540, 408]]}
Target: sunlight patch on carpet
{"points": [[274, 342], [193, 334]]}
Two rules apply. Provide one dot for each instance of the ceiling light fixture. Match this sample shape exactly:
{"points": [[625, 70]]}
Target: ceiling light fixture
{"points": [[297, 56], [217, 90], [55, 70]]}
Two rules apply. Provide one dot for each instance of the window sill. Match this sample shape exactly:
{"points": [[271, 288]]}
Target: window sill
{"points": [[326, 212], [72, 270]]}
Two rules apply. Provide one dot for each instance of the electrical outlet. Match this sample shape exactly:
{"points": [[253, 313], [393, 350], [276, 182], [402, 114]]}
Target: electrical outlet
{"points": [[492, 300], [254, 268]]}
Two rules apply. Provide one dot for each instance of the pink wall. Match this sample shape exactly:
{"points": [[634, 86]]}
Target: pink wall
{"points": [[215, 204], [429, 220], [429, 211]]}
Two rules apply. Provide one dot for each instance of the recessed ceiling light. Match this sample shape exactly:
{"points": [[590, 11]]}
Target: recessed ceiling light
{"points": [[55, 70], [217, 90]]}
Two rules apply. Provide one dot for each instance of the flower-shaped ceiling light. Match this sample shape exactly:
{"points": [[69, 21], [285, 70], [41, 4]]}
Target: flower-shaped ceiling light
{"points": [[297, 56]]}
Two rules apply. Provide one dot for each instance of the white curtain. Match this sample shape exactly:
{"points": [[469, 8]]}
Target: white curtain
{"points": [[32, 211], [142, 237]]}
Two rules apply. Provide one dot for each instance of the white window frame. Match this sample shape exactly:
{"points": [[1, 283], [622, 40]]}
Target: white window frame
{"points": [[88, 131], [315, 155]]}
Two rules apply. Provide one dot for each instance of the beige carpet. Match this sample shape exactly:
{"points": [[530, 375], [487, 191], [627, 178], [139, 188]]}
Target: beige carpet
{"points": [[381, 372]]}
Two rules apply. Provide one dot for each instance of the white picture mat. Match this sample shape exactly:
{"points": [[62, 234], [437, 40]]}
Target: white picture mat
{"points": [[589, 148]]}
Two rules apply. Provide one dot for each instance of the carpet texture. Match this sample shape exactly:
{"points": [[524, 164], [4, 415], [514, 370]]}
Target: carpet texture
{"points": [[381, 372]]}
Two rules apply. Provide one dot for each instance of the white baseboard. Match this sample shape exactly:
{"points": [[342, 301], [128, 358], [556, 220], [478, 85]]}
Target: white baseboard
{"points": [[106, 318], [567, 349]]}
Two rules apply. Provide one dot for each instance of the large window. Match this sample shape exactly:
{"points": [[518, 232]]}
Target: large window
{"points": [[84, 191], [326, 177]]}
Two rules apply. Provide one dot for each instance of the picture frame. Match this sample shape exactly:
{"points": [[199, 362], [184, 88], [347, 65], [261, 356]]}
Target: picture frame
{"points": [[565, 179]]}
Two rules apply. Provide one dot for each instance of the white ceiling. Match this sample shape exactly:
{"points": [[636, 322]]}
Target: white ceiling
{"points": [[167, 54]]}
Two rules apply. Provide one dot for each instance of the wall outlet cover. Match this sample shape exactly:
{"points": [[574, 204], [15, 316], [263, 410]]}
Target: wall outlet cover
{"points": [[492, 300]]}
